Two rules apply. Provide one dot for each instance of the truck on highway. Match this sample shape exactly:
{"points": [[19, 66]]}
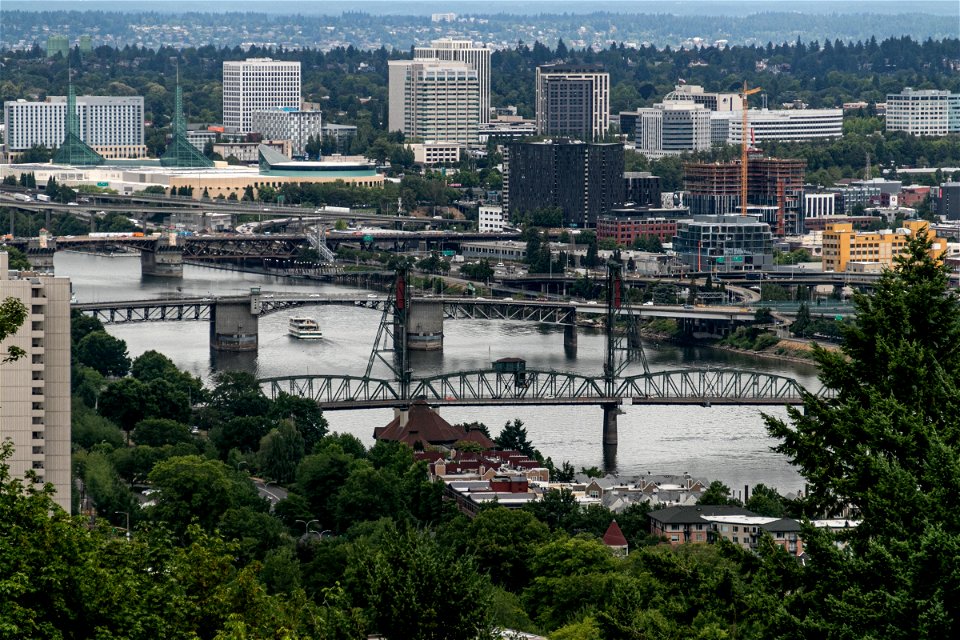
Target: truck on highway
{"points": [[22, 197], [42, 197]]}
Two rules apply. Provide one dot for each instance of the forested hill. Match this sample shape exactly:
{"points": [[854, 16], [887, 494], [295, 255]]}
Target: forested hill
{"points": [[502, 23], [351, 84]]}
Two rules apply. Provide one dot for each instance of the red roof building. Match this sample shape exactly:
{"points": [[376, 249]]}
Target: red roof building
{"points": [[421, 424], [615, 539]]}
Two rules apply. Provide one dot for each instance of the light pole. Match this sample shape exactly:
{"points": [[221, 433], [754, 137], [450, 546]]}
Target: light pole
{"points": [[241, 462], [126, 513], [306, 526]]}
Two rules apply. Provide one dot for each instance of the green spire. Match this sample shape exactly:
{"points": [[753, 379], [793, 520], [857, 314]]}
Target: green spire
{"points": [[73, 150], [181, 153]]}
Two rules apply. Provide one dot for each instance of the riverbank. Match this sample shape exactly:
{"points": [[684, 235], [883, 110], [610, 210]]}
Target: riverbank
{"points": [[786, 349]]}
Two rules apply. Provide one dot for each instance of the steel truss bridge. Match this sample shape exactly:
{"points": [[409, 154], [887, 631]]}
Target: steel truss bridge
{"points": [[488, 387], [213, 248], [546, 312]]}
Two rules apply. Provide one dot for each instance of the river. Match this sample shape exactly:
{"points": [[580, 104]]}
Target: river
{"points": [[727, 443]]}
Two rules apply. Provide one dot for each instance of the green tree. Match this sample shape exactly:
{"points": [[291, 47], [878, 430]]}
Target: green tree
{"points": [[800, 325], [765, 501], [717, 494], [12, 314], [280, 452], [368, 494], [156, 432], [503, 542], [124, 402], [81, 325], [417, 589], [513, 437], [101, 351], [557, 509], [192, 489], [16, 260], [886, 447]]}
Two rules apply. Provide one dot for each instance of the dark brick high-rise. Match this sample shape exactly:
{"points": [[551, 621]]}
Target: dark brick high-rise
{"points": [[583, 179]]}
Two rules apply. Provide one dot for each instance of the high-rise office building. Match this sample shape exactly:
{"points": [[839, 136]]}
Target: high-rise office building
{"points": [[286, 123], [475, 54], [926, 112], [573, 100], [583, 179], [257, 84], [112, 126], [782, 124], [434, 100], [35, 389], [672, 127]]}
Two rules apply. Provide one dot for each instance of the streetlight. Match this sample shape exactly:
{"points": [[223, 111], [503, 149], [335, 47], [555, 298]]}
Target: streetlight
{"points": [[306, 526], [126, 513], [240, 463]]}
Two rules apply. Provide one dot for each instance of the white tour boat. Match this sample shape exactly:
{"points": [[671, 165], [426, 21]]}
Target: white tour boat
{"points": [[305, 328]]}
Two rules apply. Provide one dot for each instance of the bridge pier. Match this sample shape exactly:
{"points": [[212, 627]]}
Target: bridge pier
{"points": [[570, 336], [233, 326], [40, 253], [610, 412], [163, 260], [425, 326]]}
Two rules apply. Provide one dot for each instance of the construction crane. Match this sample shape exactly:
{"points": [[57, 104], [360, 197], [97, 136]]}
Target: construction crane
{"points": [[743, 146]]}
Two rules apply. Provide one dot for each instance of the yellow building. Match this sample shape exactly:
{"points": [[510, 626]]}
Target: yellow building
{"points": [[845, 249]]}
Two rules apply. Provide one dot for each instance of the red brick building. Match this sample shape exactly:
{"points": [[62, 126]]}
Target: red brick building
{"points": [[623, 230]]}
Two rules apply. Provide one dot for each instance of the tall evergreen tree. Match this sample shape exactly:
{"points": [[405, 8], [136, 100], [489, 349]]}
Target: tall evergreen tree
{"points": [[884, 449]]}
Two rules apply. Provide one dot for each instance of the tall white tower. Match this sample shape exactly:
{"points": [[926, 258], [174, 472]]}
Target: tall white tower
{"points": [[257, 84], [475, 54]]}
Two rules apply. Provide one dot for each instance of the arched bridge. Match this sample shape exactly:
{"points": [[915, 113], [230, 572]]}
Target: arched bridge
{"points": [[537, 387]]}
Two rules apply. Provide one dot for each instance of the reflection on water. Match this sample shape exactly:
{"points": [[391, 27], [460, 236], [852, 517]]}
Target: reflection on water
{"points": [[727, 442]]}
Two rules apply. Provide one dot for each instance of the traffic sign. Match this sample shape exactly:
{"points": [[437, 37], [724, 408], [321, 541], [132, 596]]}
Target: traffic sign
{"points": [[368, 238], [103, 184]]}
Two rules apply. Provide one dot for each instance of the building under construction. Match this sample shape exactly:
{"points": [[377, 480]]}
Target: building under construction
{"points": [[774, 190]]}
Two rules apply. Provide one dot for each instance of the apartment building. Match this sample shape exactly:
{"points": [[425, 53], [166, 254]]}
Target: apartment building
{"points": [[847, 250], [257, 84], [111, 125], [475, 54], [573, 101], [35, 389], [435, 100]]}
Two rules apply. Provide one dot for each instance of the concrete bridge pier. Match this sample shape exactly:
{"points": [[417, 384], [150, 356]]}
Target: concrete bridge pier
{"points": [[40, 253], [610, 412], [163, 260], [425, 326], [234, 326], [41, 259], [570, 337]]}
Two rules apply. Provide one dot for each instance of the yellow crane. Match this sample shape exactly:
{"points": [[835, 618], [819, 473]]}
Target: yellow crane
{"points": [[743, 146]]}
